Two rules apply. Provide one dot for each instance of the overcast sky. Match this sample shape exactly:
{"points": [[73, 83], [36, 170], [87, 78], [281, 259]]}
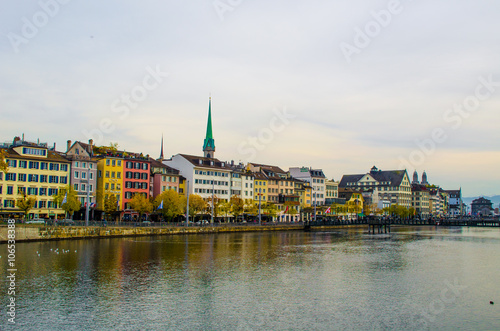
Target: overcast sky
{"points": [[337, 85]]}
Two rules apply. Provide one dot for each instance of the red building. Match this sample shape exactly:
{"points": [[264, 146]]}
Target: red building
{"points": [[136, 179]]}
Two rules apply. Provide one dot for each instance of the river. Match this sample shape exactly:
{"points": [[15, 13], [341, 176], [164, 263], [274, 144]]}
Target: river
{"points": [[416, 278]]}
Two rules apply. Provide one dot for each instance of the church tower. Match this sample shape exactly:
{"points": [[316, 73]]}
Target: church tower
{"points": [[209, 142], [424, 179], [415, 177]]}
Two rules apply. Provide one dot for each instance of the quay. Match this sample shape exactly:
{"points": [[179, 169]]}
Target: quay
{"points": [[37, 232]]}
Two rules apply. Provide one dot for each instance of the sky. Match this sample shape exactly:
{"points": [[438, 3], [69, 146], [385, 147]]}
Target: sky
{"points": [[336, 85]]}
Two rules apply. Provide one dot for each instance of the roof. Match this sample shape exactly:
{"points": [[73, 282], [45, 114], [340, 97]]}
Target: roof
{"points": [[157, 164], [206, 162], [395, 177], [51, 155], [272, 168]]}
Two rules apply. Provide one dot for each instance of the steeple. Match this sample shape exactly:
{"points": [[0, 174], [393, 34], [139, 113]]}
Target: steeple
{"points": [[161, 153], [415, 177], [424, 179], [209, 142]]}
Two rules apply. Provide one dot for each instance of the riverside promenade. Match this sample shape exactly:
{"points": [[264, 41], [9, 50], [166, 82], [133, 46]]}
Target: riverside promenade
{"points": [[41, 232]]}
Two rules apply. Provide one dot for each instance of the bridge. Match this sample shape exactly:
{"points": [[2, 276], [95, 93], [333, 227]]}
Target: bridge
{"points": [[384, 225]]}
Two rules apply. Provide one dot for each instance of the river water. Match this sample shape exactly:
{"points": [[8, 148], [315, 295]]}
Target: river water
{"points": [[345, 279]]}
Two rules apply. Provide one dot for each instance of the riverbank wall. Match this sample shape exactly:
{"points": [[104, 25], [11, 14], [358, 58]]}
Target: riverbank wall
{"points": [[26, 233]]}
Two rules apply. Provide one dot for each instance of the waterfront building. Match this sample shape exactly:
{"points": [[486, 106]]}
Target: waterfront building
{"points": [[242, 181], [420, 199], [109, 177], [260, 187], [389, 186], [35, 170], [83, 174], [332, 192], [162, 178], [316, 179], [136, 180], [481, 207], [456, 204]]}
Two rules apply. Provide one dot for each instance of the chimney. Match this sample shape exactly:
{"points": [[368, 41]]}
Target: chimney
{"points": [[54, 147], [91, 146], [68, 146]]}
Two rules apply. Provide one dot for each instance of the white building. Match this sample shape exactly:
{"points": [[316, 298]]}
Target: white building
{"points": [[317, 180]]}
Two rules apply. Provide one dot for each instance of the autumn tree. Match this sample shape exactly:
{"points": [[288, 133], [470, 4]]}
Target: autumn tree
{"points": [[270, 209], [215, 205], [25, 203], [110, 205], [237, 206], [196, 204], [141, 204], [71, 204], [224, 208], [3, 163], [173, 204]]}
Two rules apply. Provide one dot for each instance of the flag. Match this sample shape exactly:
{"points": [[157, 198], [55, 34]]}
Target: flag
{"points": [[286, 209], [328, 210], [85, 205], [65, 199], [92, 205], [161, 205]]}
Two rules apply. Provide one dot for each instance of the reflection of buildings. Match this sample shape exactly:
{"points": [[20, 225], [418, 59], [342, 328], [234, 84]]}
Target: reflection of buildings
{"points": [[481, 207]]}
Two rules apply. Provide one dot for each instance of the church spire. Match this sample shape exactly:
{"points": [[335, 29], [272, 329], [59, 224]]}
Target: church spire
{"points": [[209, 142], [161, 153]]}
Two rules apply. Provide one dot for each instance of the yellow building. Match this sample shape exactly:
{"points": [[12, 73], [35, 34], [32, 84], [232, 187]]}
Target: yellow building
{"points": [[260, 187], [109, 180], [304, 191], [34, 171]]}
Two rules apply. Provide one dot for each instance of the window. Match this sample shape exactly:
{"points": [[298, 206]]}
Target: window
{"points": [[112, 174], [33, 178], [12, 163], [53, 179], [77, 174], [34, 165], [112, 186], [34, 151], [10, 190], [83, 187], [144, 166], [107, 174], [32, 191], [91, 175], [53, 191], [63, 180], [9, 203], [64, 167], [84, 165], [144, 175], [54, 166], [118, 175], [21, 177], [106, 186], [23, 164], [119, 162], [43, 178], [107, 162], [84, 175], [44, 165], [75, 187], [113, 163], [91, 188], [21, 190]]}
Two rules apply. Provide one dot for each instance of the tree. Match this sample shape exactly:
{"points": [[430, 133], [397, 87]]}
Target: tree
{"points": [[25, 204], [237, 206], [216, 206], [3, 163], [251, 208], [71, 204], [196, 204], [225, 207], [141, 204], [113, 147], [173, 204], [270, 209], [110, 204]]}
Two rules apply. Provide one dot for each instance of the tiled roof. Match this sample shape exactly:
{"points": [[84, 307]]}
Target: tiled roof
{"points": [[206, 162], [395, 177]]}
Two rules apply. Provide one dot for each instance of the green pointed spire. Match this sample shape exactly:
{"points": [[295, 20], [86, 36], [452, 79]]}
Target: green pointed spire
{"points": [[209, 142]]}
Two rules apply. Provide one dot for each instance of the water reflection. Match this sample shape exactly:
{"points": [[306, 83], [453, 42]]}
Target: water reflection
{"points": [[343, 279]]}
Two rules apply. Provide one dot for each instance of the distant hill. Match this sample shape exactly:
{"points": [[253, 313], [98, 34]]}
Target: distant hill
{"points": [[494, 199]]}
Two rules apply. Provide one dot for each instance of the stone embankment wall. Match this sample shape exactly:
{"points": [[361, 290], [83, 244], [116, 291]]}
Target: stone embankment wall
{"points": [[37, 233]]}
